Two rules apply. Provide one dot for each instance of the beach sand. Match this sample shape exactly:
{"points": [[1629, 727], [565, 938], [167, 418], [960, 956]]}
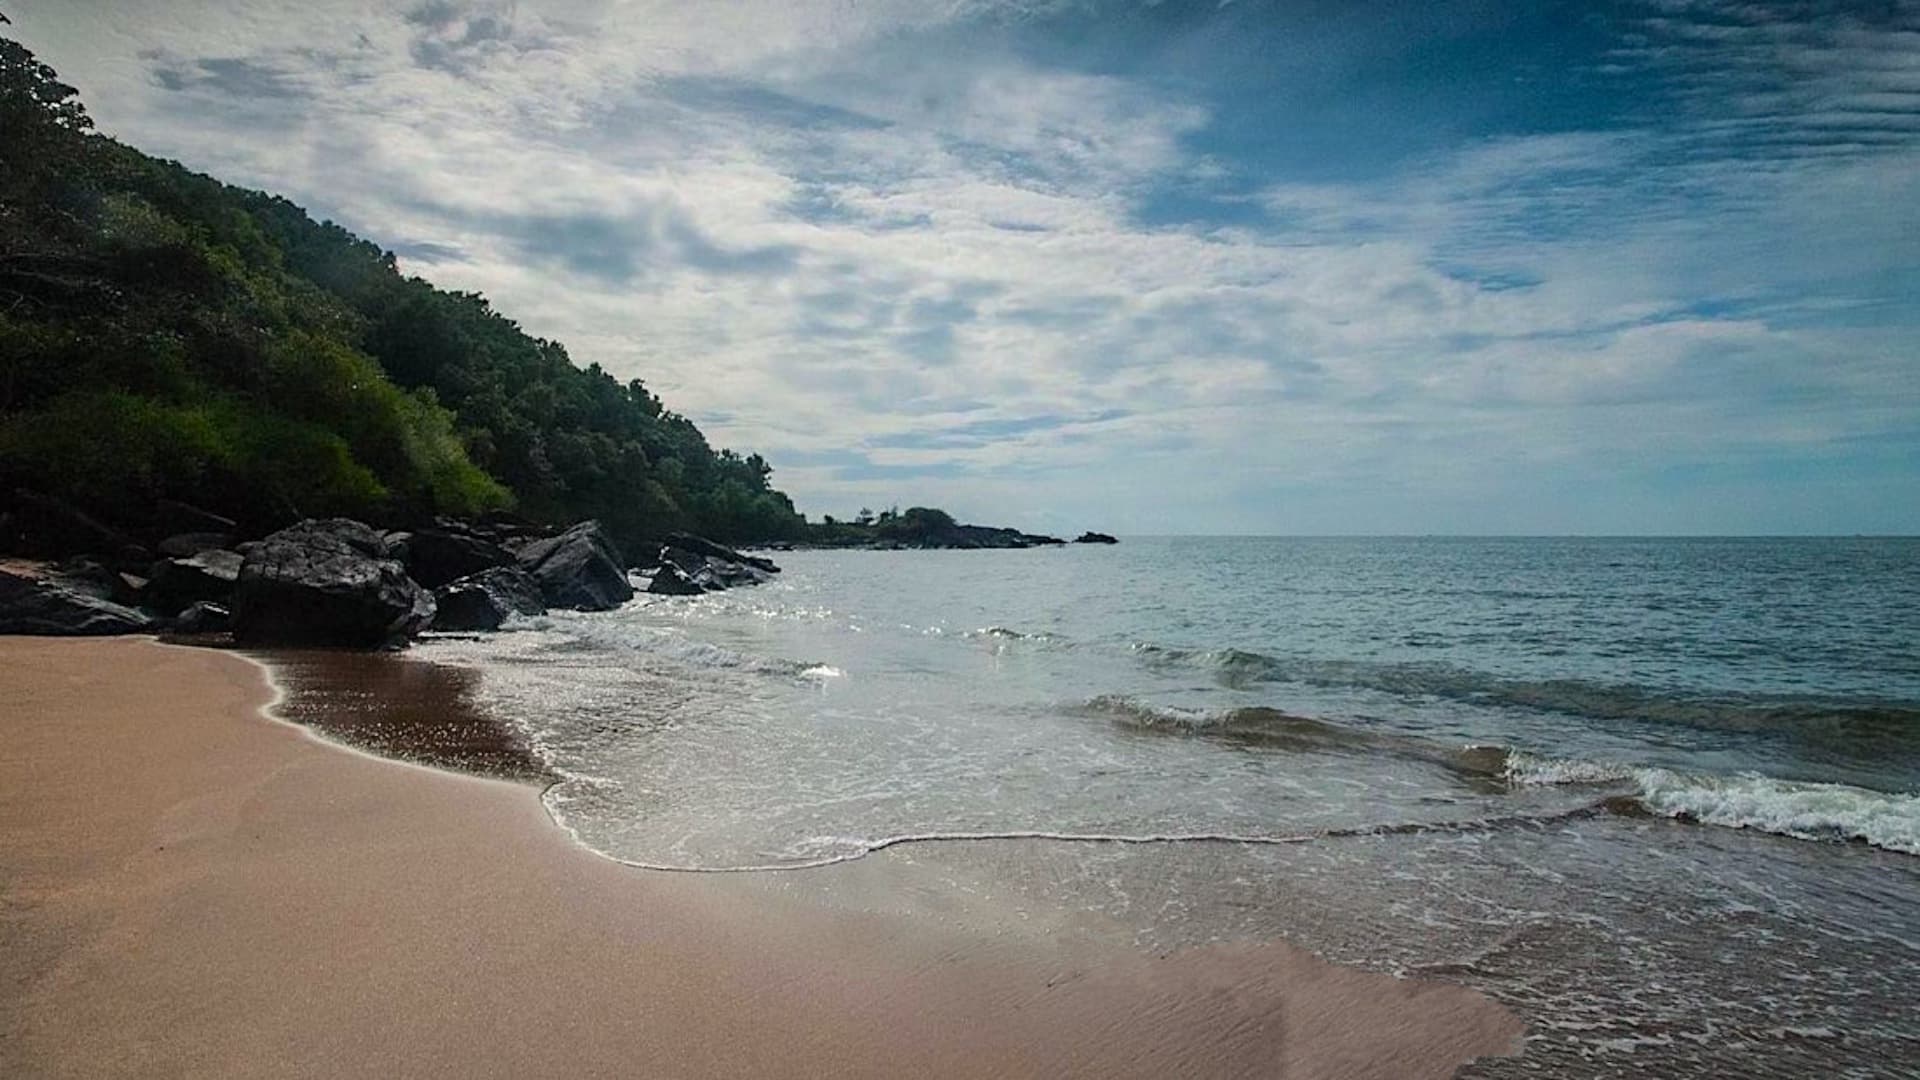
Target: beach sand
{"points": [[190, 889]]}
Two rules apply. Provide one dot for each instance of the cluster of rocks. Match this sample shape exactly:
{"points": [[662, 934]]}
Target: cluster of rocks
{"points": [[338, 581], [689, 565]]}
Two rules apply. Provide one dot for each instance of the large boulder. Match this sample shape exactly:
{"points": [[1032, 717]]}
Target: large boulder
{"points": [[42, 605], [1094, 538], [483, 601], [434, 557], [579, 569], [175, 584], [330, 582]]}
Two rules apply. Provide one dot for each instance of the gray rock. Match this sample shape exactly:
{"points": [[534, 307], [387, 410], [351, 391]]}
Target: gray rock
{"points": [[483, 601], [702, 546], [47, 606], [579, 569], [670, 580], [203, 618], [176, 584], [435, 557], [331, 582]]}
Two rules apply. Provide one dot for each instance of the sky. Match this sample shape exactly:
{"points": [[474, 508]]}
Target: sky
{"points": [[1224, 267]]}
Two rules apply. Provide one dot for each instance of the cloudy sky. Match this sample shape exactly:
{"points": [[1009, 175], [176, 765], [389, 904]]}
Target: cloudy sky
{"points": [[1146, 267]]}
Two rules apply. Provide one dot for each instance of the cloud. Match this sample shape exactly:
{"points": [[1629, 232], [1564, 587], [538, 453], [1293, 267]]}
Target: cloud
{"points": [[1125, 264]]}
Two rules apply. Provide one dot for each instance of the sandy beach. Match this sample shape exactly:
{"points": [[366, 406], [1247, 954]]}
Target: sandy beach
{"points": [[193, 889]]}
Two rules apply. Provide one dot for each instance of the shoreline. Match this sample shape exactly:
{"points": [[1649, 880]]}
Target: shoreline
{"points": [[190, 891]]}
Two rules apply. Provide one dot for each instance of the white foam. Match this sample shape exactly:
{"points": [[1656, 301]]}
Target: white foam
{"points": [[1530, 770], [1799, 809], [1807, 811]]}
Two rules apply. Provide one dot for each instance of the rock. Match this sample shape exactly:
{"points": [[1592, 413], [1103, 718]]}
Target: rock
{"points": [[182, 545], [86, 575], [483, 601], [203, 618], [579, 569], [702, 546], [670, 580], [1094, 538], [208, 575], [48, 606], [331, 582], [712, 573], [434, 557]]}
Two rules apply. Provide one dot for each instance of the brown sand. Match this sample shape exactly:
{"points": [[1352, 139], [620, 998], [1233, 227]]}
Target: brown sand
{"points": [[188, 889]]}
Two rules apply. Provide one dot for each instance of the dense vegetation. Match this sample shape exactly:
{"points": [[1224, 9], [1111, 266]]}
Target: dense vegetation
{"points": [[166, 336]]}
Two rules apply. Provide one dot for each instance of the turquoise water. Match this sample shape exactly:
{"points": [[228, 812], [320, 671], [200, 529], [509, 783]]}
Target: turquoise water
{"points": [[1565, 770]]}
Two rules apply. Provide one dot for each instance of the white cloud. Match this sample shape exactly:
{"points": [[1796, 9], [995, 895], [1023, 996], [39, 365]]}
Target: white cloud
{"points": [[824, 228]]}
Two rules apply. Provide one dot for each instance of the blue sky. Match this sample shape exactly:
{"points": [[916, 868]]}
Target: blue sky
{"points": [[1143, 267]]}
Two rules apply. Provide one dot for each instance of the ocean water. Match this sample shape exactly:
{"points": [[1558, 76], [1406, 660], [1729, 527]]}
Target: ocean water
{"points": [[1658, 795]]}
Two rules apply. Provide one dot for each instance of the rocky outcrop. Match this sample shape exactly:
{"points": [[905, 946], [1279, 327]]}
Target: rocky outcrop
{"points": [[699, 545], [437, 556], [484, 600], [711, 572], [670, 580], [49, 606], [332, 582], [176, 584], [1094, 538], [579, 569]]}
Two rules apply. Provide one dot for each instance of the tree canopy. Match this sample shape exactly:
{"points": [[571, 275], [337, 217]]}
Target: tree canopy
{"points": [[167, 336]]}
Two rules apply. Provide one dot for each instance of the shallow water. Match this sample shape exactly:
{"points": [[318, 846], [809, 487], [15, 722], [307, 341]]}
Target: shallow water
{"points": [[1476, 758]]}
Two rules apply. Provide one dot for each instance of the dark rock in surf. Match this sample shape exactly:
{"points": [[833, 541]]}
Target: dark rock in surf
{"points": [[670, 580], [1094, 538], [712, 573], [579, 569], [702, 546], [48, 606], [331, 582], [484, 600]]}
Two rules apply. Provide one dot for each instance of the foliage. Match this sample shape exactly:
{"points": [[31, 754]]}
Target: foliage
{"points": [[165, 335]]}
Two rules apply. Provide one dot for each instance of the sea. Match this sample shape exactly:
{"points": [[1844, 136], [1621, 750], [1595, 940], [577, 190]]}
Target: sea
{"points": [[1659, 796]]}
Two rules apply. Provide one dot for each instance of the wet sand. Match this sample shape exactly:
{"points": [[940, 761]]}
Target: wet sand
{"points": [[190, 889]]}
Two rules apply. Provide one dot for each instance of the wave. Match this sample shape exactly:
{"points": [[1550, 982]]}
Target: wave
{"points": [[1862, 727], [1803, 810], [588, 636], [1263, 726], [856, 847]]}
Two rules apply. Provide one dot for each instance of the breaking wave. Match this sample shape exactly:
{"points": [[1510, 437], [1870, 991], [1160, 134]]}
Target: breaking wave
{"points": [[1862, 726], [1259, 725], [1798, 809]]}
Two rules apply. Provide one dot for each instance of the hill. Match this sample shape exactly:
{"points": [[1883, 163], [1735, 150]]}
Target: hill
{"points": [[167, 337]]}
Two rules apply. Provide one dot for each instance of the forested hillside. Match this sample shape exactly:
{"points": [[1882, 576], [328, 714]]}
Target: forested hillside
{"points": [[167, 336]]}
